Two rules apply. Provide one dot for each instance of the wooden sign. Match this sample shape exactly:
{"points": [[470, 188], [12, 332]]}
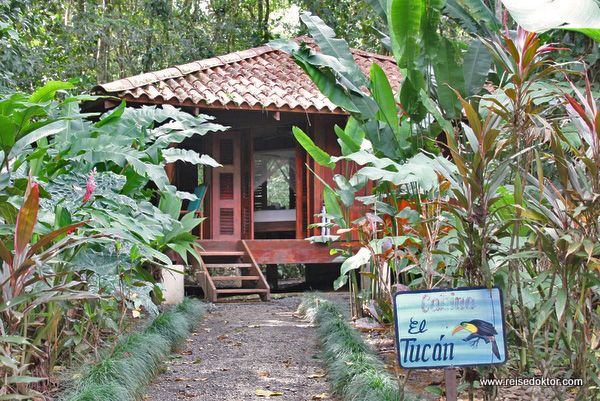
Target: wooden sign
{"points": [[449, 328]]}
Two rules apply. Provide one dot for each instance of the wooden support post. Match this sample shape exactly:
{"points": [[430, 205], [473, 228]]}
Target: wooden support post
{"points": [[450, 380], [273, 276]]}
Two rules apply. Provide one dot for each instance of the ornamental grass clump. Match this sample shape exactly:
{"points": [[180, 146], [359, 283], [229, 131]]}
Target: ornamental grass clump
{"points": [[136, 359], [355, 371], [100, 392]]}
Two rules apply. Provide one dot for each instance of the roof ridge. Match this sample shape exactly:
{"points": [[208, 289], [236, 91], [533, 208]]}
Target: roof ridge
{"points": [[178, 71], [255, 78]]}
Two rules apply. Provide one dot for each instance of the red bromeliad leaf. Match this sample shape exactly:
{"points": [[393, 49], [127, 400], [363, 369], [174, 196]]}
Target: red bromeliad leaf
{"points": [[27, 218]]}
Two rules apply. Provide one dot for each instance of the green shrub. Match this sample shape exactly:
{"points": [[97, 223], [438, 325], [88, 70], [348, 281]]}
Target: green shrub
{"points": [[355, 371], [136, 359]]}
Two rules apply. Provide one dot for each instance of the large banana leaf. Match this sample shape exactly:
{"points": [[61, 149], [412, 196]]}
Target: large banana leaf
{"points": [[380, 7], [320, 156], [331, 46], [351, 137], [382, 92], [333, 71], [430, 26], [479, 9], [173, 155], [448, 73], [404, 22], [476, 67], [462, 16], [542, 15]]}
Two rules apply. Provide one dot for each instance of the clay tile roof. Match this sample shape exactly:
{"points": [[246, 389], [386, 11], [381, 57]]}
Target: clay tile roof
{"points": [[258, 78]]}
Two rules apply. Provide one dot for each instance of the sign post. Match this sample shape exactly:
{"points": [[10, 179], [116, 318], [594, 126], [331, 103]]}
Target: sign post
{"points": [[450, 328]]}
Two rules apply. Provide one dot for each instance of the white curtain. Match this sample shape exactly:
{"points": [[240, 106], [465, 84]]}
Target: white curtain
{"points": [[268, 162]]}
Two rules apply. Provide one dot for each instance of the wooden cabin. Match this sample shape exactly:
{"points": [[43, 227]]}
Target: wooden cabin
{"points": [[260, 204]]}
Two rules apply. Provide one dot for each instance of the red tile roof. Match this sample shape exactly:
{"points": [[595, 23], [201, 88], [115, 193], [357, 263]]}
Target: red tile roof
{"points": [[258, 78]]}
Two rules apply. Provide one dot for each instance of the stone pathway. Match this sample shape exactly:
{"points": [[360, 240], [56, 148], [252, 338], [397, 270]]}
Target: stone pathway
{"points": [[246, 351]]}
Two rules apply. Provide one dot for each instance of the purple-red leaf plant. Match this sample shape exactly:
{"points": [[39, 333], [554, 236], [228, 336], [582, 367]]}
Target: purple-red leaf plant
{"points": [[19, 266]]}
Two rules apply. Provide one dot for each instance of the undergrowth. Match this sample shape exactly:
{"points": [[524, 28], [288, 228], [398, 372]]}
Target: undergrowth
{"points": [[127, 368], [355, 371]]}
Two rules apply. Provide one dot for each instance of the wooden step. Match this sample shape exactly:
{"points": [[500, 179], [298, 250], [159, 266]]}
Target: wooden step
{"points": [[242, 290], [226, 265], [221, 253], [214, 255], [233, 278]]}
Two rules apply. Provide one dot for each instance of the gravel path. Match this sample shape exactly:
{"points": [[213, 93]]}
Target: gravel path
{"points": [[242, 347]]}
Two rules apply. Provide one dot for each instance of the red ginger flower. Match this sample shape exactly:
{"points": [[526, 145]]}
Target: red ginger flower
{"points": [[90, 186]]}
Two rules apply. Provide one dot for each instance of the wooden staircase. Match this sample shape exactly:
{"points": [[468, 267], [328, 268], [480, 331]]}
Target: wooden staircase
{"points": [[217, 257]]}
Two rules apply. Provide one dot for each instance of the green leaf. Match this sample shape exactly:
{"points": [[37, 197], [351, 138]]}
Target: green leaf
{"points": [[48, 91], [382, 92], [380, 7], [435, 390], [347, 143], [325, 37], [476, 67], [320, 156], [7, 133], [557, 14], [439, 118], [346, 190], [332, 206], [410, 95], [24, 379], [449, 74], [14, 340], [361, 258], [464, 18], [404, 20], [173, 155], [430, 26], [561, 302], [544, 313], [340, 282], [36, 131], [111, 116], [482, 11]]}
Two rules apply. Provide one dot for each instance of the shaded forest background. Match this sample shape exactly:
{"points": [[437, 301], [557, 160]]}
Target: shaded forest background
{"points": [[92, 41]]}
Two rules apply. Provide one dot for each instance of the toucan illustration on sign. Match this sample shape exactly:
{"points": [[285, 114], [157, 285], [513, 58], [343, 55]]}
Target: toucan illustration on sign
{"points": [[480, 330], [427, 335]]}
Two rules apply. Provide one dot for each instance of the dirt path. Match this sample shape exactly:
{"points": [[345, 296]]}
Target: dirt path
{"points": [[242, 347]]}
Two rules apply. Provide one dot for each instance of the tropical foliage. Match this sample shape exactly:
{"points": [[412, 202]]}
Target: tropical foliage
{"points": [[507, 199], [89, 42], [79, 234]]}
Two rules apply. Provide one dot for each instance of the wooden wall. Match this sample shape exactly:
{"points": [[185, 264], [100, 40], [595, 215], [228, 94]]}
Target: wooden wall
{"points": [[309, 189]]}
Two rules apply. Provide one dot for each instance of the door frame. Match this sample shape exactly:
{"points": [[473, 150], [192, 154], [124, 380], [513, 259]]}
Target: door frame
{"points": [[226, 186]]}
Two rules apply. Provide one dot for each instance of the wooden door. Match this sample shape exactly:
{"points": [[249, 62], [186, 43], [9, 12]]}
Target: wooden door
{"points": [[226, 187]]}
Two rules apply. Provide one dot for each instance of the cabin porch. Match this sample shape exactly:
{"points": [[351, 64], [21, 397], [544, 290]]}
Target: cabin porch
{"points": [[232, 267]]}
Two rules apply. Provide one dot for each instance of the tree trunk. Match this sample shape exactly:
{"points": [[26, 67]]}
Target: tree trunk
{"points": [[102, 48]]}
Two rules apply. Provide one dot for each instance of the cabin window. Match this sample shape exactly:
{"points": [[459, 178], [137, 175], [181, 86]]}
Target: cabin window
{"points": [[274, 179]]}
